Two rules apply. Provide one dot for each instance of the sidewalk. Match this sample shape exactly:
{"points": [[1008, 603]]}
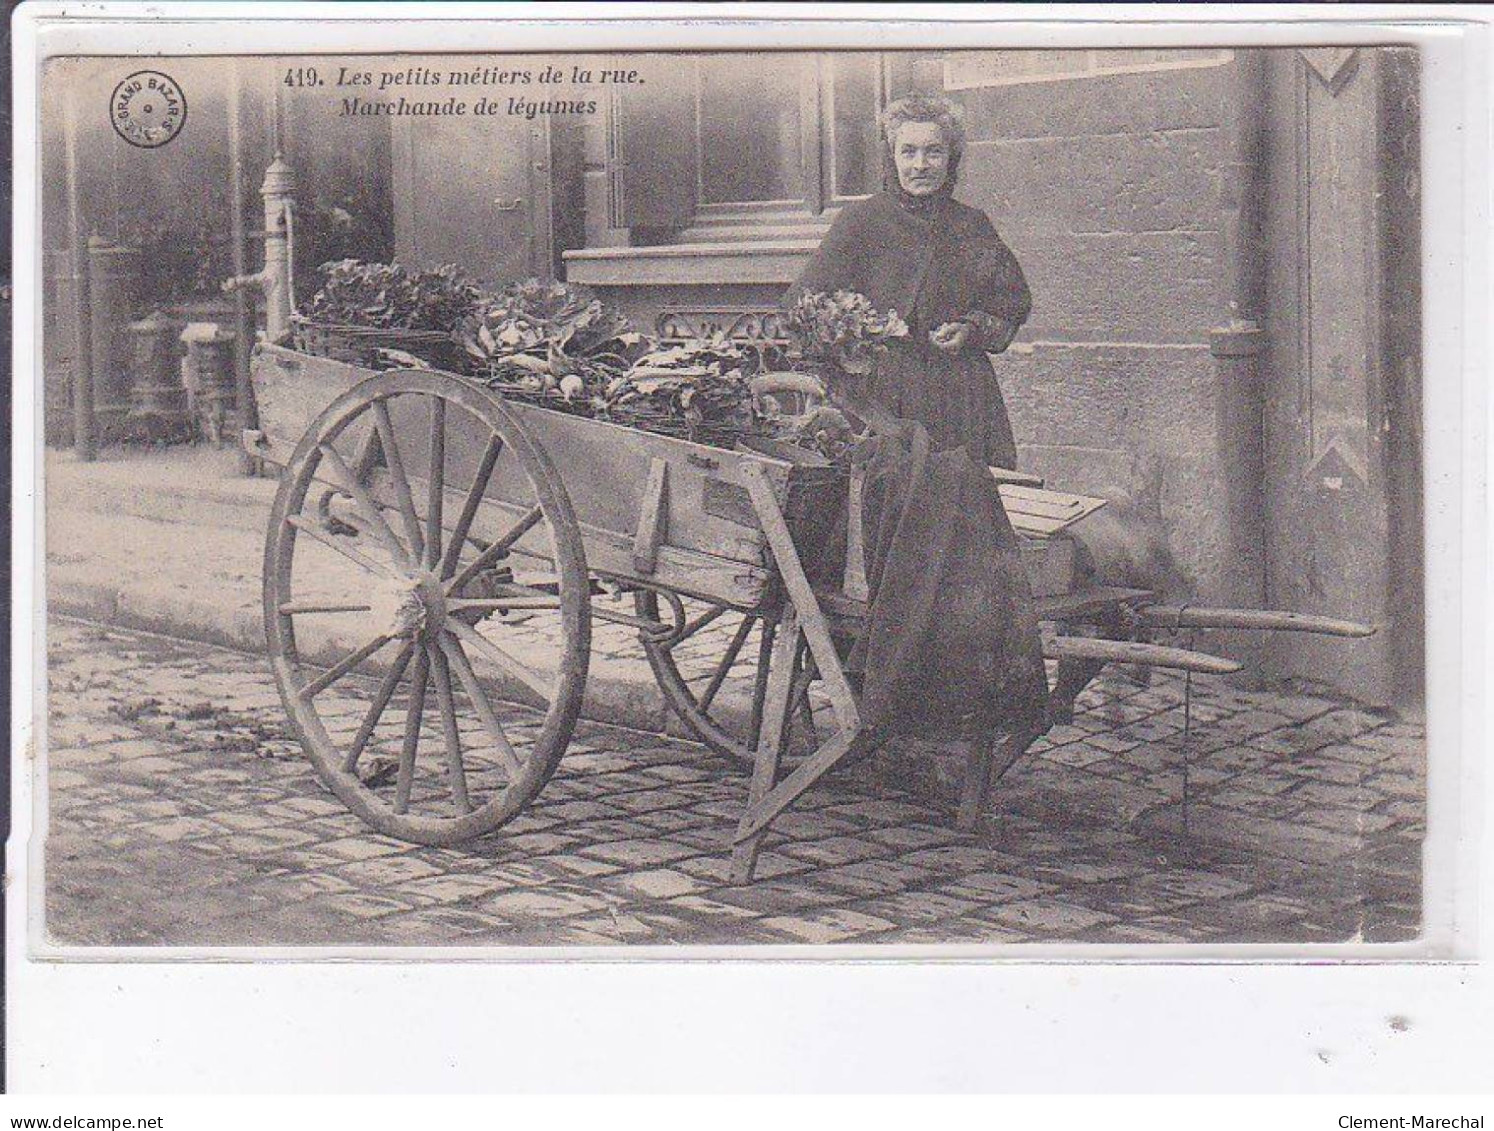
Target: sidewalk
{"points": [[171, 541]]}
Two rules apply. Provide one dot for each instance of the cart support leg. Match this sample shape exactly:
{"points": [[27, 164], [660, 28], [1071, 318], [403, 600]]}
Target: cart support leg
{"points": [[984, 766], [1073, 677], [803, 618], [771, 738], [977, 782]]}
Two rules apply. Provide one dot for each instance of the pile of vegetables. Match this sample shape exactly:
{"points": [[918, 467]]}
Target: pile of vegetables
{"points": [[386, 296], [541, 338], [556, 344], [698, 389]]}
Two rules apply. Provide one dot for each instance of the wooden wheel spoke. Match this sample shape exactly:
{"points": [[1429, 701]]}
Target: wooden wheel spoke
{"points": [[760, 683], [437, 495], [497, 549], [469, 507], [456, 773], [494, 604], [376, 708], [463, 668], [370, 509], [312, 530], [535, 681], [345, 665], [733, 650], [300, 608], [694, 626], [490, 537], [413, 713], [397, 476]]}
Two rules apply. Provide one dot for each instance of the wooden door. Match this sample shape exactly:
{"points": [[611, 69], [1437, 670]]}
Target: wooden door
{"points": [[475, 192], [1342, 435]]}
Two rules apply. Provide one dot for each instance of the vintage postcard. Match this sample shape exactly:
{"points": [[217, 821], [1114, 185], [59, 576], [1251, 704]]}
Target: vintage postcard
{"points": [[584, 501]]}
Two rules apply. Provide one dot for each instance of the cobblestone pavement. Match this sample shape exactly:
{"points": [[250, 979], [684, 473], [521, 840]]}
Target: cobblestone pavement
{"points": [[182, 812]]}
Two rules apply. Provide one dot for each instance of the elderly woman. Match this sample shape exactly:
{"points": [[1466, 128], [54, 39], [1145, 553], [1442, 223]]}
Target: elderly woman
{"points": [[913, 248], [951, 648]]}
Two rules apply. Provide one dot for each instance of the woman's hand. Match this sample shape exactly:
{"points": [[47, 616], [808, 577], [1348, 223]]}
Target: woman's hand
{"points": [[951, 336]]}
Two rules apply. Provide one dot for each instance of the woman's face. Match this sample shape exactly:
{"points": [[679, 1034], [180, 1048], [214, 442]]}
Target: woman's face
{"points": [[921, 154]]}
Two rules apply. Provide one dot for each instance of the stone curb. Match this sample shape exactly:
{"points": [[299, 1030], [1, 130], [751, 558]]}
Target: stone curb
{"points": [[611, 695]]}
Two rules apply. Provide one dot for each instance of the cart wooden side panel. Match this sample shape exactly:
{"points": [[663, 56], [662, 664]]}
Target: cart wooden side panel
{"points": [[651, 508]]}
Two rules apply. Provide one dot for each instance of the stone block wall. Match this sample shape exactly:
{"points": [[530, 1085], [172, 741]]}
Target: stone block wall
{"points": [[1108, 188]]}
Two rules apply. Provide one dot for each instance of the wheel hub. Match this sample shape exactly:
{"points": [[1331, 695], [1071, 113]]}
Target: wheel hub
{"points": [[413, 605]]}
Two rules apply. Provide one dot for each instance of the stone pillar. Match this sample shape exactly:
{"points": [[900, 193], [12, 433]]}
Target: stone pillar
{"points": [[210, 364], [1329, 538], [1237, 345], [158, 409]]}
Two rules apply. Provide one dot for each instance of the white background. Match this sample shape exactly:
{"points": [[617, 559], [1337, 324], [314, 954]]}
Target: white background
{"points": [[274, 1025]]}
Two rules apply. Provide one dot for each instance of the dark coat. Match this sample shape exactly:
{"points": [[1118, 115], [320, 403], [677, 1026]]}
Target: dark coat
{"points": [[951, 644], [932, 262]]}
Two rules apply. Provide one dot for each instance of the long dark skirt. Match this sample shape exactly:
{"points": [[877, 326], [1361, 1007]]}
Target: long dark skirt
{"points": [[951, 647]]}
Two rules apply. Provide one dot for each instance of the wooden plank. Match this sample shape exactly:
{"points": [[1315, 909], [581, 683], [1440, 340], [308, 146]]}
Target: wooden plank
{"points": [[1260, 620], [688, 572], [978, 760], [1008, 475], [653, 517], [1047, 496], [811, 616], [1133, 652], [1088, 602], [854, 580], [1043, 512], [1041, 508], [605, 467], [1036, 526], [292, 389], [762, 813], [1062, 607]]}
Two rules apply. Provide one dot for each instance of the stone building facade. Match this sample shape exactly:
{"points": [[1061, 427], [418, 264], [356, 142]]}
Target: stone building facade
{"points": [[1223, 248]]}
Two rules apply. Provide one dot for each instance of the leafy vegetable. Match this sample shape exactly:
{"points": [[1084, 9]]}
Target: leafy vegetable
{"points": [[388, 296], [842, 329], [534, 316], [558, 345], [698, 389]]}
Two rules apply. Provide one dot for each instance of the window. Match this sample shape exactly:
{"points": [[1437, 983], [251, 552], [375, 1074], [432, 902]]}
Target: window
{"points": [[727, 168], [750, 128], [794, 130], [792, 133]]}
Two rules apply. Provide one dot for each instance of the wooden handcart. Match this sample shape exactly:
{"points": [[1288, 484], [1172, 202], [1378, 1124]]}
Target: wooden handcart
{"points": [[472, 541]]}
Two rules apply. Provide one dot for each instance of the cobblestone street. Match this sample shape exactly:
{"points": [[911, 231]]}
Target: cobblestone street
{"points": [[183, 812]]}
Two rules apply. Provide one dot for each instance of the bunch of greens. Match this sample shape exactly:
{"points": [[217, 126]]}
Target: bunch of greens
{"points": [[842, 329], [698, 389], [387, 296], [535, 317]]}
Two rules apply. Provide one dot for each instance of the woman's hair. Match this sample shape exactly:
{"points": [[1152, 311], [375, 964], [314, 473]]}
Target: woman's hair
{"points": [[949, 117]]}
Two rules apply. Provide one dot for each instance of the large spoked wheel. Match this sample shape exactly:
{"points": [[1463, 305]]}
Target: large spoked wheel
{"points": [[420, 533], [714, 675]]}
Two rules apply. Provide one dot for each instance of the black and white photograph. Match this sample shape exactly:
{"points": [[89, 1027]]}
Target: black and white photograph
{"points": [[842, 502]]}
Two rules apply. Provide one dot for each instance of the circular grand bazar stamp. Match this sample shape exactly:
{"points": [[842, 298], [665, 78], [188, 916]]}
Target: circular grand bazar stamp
{"points": [[148, 109]]}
